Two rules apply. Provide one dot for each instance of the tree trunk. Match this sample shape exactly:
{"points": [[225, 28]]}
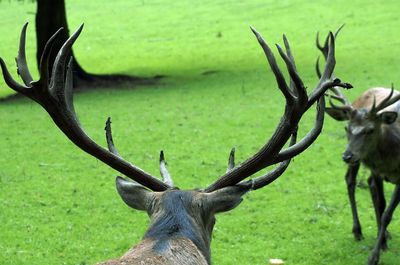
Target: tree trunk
{"points": [[51, 16]]}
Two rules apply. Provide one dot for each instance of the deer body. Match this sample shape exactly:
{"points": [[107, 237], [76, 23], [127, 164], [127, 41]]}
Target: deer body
{"points": [[384, 161], [373, 133], [383, 154]]}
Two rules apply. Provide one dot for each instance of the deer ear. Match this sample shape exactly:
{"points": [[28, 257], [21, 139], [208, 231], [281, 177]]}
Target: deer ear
{"points": [[338, 114], [388, 117], [134, 195], [225, 199]]}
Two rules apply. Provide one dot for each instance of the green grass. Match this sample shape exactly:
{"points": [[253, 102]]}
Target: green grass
{"points": [[59, 206]]}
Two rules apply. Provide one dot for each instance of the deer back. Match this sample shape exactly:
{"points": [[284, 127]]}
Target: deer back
{"points": [[179, 251], [377, 94]]}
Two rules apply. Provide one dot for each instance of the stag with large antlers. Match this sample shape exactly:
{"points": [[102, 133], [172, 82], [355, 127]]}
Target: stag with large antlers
{"points": [[373, 133], [181, 220]]}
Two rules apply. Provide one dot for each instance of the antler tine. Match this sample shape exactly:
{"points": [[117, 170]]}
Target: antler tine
{"points": [[290, 55], [296, 82], [164, 171], [231, 161], [57, 100], [325, 49], [296, 148], [11, 82], [330, 59], [68, 92], [338, 30], [44, 60], [110, 142], [30, 86], [57, 82], [163, 165], [338, 98], [274, 67], [373, 108], [344, 107], [390, 102], [317, 68], [109, 138], [22, 66], [271, 176], [386, 99], [288, 50]]}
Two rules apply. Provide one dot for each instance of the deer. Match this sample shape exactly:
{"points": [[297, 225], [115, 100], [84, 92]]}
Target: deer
{"points": [[373, 134], [181, 221]]}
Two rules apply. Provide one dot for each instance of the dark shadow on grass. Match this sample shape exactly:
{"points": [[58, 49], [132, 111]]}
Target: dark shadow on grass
{"points": [[103, 81], [90, 82]]}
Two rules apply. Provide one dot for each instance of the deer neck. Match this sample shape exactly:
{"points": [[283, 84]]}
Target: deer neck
{"points": [[389, 140], [174, 224], [383, 159]]}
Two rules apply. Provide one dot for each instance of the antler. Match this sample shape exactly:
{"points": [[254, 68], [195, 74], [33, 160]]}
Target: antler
{"points": [[164, 171], [54, 94], [346, 106], [297, 103], [386, 102], [231, 161], [337, 93], [325, 48]]}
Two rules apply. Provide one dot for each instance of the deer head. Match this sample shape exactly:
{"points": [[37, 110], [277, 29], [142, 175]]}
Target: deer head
{"points": [[366, 117], [176, 213]]}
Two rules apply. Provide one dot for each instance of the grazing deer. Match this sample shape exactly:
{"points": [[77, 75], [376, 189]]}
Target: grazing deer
{"points": [[373, 133], [181, 220]]}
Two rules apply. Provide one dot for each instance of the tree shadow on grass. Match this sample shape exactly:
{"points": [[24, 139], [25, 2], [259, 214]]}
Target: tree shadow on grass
{"points": [[103, 81]]}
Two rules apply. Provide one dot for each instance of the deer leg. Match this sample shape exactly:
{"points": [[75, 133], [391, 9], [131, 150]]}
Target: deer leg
{"points": [[350, 178], [386, 218], [382, 203], [378, 199]]}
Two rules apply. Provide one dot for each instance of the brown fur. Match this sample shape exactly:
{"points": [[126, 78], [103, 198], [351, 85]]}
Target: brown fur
{"points": [[366, 100], [180, 251]]}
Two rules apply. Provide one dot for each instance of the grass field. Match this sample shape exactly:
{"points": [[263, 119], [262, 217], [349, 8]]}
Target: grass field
{"points": [[60, 206]]}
